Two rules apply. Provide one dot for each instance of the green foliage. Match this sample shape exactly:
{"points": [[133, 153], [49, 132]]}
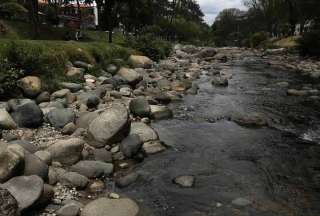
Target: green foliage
{"points": [[150, 46], [258, 38], [11, 9], [8, 78], [309, 44]]}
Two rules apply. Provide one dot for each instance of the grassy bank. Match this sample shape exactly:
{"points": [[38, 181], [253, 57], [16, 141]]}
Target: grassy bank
{"points": [[48, 59]]}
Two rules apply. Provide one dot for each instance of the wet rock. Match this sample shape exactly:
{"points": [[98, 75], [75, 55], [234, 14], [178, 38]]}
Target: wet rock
{"points": [[70, 209], [140, 61], [25, 189], [110, 126], [34, 166], [58, 118], [251, 120], [67, 151], [69, 129], [8, 204], [186, 181], [129, 75], [93, 101], [145, 132], [45, 156], [160, 112], [11, 161], [114, 207], [73, 179], [295, 92], [43, 97], [131, 145], [27, 114], [241, 202], [140, 107], [125, 181], [153, 147], [6, 121], [30, 85], [102, 155], [30, 147], [220, 81], [93, 169], [283, 84], [73, 87], [97, 186]]}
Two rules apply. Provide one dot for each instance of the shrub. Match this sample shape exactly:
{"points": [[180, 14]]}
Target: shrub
{"points": [[11, 10], [258, 38], [309, 44]]}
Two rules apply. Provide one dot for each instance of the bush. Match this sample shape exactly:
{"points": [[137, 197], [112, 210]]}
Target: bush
{"points": [[11, 10], [258, 38], [150, 46], [309, 44]]}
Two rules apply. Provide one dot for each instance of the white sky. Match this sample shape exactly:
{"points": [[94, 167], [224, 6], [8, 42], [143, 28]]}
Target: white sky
{"points": [[211, 8]]}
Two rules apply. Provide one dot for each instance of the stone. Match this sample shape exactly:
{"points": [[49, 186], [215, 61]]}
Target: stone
{"points": [[28, 114], [69, 129], [206, 53], [82, 64], [160, 112], [114, 196], [131, 145], [241, 202], [186, 181], [251, 120], [153, 147], [59, 94], [45, 156], [111, 126], [125, 181], [220, 81], [102, 155], [30, 85], [85, 119], [55, 174], [30, 147], [93, 101], [97, 186], [145, 132], [6, 121], [73, 87], [140, 61], [25, 189], [73, 179], [11, 161], [69, 210], [58, 118], [67, 151], [295, 92], [129, 75], [34, 166], [43, 97], [140, 107], [114, 207], [93, 169], [75, 72], [8, 204], [112, 69], [46, 196]]}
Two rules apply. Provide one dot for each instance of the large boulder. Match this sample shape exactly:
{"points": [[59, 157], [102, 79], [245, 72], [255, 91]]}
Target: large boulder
{"points": [[35, 166], [113, 207], [25, 189], [67, 151], [30, 147], [131, 145], [93, 169], [110, 126], [140, 107], [58, 118], [8, 204], [30, 85], [11, 161], [129, 75], [145, 132], [6, 121], [140, 61], [27, 114], [85, 119]]}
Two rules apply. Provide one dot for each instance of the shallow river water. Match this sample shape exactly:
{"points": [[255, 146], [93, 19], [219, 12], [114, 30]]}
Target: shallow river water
{"points": [[276, 167]]}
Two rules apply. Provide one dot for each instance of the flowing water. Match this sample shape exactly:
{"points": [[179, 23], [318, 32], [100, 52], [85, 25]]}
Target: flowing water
{"points": [[276, 167]]}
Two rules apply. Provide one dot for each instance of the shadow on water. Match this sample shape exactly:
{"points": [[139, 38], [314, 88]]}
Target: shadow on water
{"points": [[274, 167]]}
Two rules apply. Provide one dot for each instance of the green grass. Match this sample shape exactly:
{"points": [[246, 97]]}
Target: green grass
{"points": [[47, 59]]}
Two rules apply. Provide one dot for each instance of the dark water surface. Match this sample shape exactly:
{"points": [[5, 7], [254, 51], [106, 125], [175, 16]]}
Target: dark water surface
{"points": [[275, 167]]}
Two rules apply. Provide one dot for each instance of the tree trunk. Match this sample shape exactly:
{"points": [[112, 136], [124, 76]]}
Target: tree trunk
{"points": [[34, 17]]}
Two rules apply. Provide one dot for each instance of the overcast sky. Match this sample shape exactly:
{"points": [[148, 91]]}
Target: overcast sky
{"points": [[211, 8]]}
